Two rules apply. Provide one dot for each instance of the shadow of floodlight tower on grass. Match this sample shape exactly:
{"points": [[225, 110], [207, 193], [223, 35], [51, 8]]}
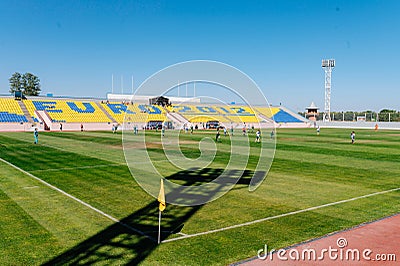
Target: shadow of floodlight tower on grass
{"points": [[118, 244]]}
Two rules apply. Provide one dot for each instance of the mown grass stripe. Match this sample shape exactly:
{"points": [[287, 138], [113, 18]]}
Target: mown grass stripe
{"points": [[299, 178], [78, 200], [279, 216], [351, 153], [74, 168]]}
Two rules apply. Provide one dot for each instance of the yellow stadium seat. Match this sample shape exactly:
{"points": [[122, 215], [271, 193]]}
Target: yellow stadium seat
{"points": [[69, 111]]}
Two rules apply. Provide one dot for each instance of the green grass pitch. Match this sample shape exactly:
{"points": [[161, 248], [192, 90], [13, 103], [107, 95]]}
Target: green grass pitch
{"points": [[40, 225]]}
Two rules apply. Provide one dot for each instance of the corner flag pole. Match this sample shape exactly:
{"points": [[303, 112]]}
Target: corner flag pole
{"points": [[161, 207], [159, 227]]}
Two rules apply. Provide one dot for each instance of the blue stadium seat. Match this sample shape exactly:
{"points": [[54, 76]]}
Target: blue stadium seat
{"points": [[119, 108], [240, 111], [206, 109], [88, 107], [153, 109], [225, 111], [48, 106], [12, 118], [284, 117], [182, 108]]}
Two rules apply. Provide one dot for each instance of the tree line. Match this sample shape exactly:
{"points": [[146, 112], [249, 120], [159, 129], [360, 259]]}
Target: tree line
{"points": [[27, 83]]}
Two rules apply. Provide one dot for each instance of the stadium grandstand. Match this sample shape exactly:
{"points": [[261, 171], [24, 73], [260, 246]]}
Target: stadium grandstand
{"points": [[11, 112], [139, 113], [47, 113]]}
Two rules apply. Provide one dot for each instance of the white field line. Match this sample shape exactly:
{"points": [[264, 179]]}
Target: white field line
{"points": [[30, 187], [163, 231], [78, 200], [116, 163], [61, 149], [96, 166], [279, 216], [74, 168]]}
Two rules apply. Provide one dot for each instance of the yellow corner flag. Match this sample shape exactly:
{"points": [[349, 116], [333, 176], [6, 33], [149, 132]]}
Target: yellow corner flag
{"points": [[161, 197]]}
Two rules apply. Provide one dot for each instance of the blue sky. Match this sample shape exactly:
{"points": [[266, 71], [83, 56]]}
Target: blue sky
{"points": [[75, 46]]}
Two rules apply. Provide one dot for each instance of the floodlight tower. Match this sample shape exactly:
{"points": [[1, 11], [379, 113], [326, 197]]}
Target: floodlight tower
{"points": [[328, 65]]}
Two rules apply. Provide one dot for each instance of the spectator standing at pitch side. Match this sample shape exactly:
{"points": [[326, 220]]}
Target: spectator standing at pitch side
{"points": [[258, 135], [36, 136], [353, 137], [217, 137]]}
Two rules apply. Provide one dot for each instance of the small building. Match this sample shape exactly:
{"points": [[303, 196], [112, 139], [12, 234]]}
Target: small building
{"points": [[19, 95], [160, 100], [312, 112]]}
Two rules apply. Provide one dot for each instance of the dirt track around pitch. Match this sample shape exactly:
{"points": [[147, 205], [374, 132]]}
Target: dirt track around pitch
{"points": [[373, 242]]}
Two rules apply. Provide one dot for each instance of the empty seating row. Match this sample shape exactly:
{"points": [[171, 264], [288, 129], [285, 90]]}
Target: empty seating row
{"points": [[212, 109], [10, 111], [90, 111], [140, 113], [285, 117], [68, 110], [277, 114], [12, 118], [224, 114], [267, 111]]}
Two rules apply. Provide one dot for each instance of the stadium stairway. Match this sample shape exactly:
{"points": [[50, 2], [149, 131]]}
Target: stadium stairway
{"points": [[177, 118], [264, 117], [45, 118], [26, 112], [106, 113]]}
